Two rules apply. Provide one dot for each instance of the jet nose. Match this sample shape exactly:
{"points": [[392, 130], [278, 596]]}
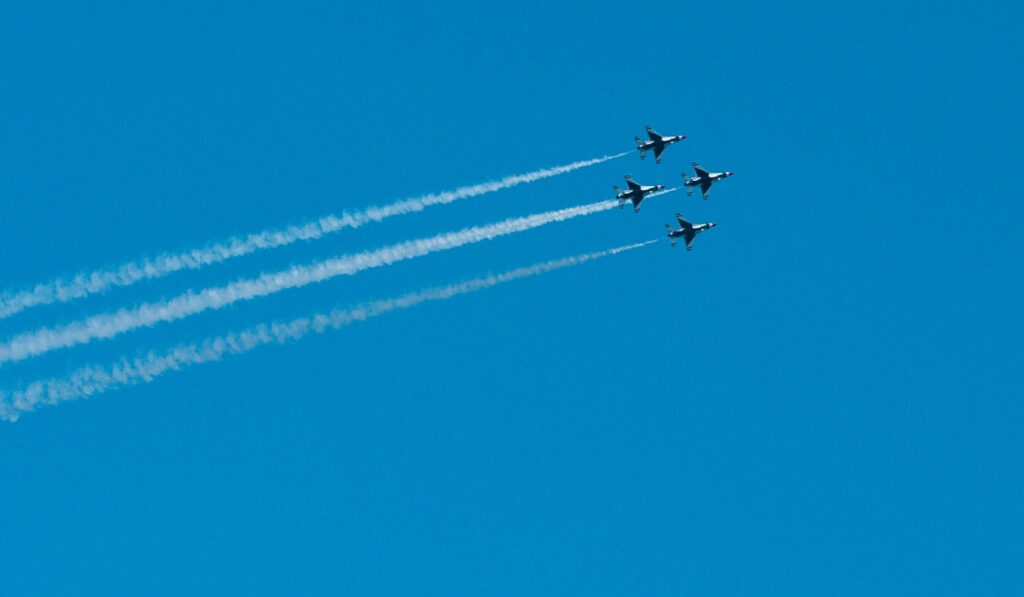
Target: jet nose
{"points": [[728, 173], [713, 224]]}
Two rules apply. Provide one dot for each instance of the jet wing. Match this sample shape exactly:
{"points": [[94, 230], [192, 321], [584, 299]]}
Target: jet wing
{"points": [[683, 223], [689, 236], [653, 135], [658, 149], [701, 172], [705, 187], [633, 186]]}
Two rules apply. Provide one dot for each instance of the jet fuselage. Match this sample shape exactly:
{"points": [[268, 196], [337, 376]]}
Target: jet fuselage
{"points": [[649, 145], [643, 192], [696, 181]]}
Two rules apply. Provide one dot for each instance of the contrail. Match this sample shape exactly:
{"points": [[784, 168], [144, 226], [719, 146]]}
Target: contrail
{"points": [[93, 380], [62, 290], [108, 325], [662, 192]]}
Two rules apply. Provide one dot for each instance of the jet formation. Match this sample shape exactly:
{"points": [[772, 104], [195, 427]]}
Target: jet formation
{"points": [[702, 179]]}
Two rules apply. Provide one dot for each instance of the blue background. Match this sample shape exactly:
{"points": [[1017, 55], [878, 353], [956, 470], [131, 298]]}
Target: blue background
{"points": [[823, 397]]}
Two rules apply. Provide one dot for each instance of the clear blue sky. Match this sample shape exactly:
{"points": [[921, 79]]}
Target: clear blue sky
{"points": [[823, 397]]}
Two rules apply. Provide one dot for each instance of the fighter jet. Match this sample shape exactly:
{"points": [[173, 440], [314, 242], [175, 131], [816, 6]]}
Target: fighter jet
{"points": [[657, 143], [703, 179], [687, 231], [635, 193]]}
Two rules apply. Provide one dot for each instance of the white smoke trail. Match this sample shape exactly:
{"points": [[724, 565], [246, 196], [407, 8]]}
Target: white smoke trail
{"points": [[90, 381], [662, 192], [63, 290], [108, 325]]}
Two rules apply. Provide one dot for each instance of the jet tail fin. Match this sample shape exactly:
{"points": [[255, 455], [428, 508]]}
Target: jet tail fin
{"points": [[671, 238]]}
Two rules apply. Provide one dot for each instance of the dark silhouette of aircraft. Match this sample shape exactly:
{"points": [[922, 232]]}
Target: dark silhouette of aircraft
{"points": [[703, 179], [635, 193], [687, 231], [657, 143]]}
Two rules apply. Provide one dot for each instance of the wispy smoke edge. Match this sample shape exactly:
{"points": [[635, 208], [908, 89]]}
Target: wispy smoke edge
{"points": [[94, 380], [62, 290], [109, 325]]}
